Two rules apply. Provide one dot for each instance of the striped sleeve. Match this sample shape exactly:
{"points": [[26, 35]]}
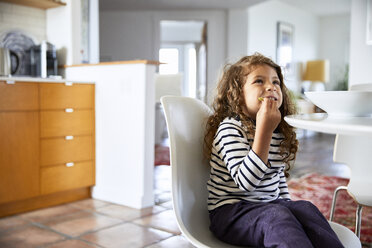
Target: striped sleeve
{"points": [[246, 167], [283, 187]]}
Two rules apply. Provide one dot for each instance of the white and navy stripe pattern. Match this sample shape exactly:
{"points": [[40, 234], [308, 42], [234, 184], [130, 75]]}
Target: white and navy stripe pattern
{"points": [[237, 173]]}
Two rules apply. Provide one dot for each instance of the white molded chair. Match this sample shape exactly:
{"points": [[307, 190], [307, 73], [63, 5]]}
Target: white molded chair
{"points": [[185, 119], [350, 150]]}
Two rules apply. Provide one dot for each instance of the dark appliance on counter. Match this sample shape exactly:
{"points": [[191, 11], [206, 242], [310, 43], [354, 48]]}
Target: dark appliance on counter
{"points": [[43, 60]]}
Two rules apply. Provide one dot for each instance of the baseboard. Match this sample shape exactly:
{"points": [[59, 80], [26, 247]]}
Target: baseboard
{"points": [[43, 201]]}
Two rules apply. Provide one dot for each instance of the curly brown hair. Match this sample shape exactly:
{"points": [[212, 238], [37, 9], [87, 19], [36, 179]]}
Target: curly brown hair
{"points": [[228, 103]]}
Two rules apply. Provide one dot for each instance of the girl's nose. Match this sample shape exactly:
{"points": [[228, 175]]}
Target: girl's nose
{"points": [[270, 87]]}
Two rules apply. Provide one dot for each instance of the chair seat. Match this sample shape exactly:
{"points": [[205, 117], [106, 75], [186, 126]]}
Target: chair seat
{"points": [[346, 236]]}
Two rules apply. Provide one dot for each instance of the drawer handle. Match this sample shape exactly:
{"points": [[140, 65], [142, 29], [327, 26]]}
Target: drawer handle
{"points": [[69, 137], [70, 164], [69, 110], [10, 82], [68, 83]]}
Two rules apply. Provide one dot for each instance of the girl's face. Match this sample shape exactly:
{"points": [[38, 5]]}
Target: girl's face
{"points": [[262, 82]]}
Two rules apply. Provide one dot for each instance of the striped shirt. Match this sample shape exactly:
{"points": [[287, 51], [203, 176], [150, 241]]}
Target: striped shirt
{"points": [[237, 173]]}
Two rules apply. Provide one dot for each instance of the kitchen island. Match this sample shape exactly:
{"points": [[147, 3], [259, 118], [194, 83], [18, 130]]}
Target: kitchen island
{"points": [[47, 142], [125, 124]]}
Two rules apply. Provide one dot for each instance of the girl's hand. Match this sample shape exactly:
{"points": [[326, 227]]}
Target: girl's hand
{"points": [[268, 116], [267, 119]]}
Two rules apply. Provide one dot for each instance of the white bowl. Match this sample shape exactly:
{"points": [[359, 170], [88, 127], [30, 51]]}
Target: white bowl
{"points": [[343, 103]]}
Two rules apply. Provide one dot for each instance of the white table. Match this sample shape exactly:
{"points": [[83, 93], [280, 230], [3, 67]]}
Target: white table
{"points": [[321, 122], [353, 147]]}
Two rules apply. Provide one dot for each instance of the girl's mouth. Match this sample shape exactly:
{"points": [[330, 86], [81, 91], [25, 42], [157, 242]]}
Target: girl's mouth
{"points": [[269, 97]]}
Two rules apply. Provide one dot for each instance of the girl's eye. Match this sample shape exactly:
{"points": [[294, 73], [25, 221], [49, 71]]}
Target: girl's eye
{"points": [[258, 81], [276, 82]]}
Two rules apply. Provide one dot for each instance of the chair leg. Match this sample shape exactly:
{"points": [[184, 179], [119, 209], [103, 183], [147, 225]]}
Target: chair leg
{"points": [[358, 220], [334, 201]]}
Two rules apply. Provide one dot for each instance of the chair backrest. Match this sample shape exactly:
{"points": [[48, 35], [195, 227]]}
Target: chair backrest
{"points": [[186, 118], [350, 150]]}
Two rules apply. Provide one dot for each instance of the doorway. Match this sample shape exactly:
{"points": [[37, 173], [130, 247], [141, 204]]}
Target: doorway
{"points": [[183, 50]]}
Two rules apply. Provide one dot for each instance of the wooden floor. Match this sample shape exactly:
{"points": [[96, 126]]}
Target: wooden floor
{"points": [[94, 223]]}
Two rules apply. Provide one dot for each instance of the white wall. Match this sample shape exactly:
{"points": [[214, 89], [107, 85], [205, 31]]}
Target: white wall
{"points": [[232, 34], [262, 23], [59, 25], [334, 44], [64, 31], [237, 34], [31, 21], [360, 54], [93, 31], [127, 35], [177, 31]]}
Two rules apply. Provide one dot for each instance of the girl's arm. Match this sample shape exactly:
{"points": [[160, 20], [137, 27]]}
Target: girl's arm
{"points": [[232, 147], [267, 119], [283, 187]]}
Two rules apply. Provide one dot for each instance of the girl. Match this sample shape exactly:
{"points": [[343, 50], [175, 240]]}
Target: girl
{"points": [[250, 148]]}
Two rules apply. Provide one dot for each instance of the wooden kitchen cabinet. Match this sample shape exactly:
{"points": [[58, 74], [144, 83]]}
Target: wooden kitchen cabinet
{"points": [[41, 4], [61, 123], [19, 96], [61, 177], [19, 141], [66, 149], [60, 96], [19, 155], [67, 136], [47, 144]]}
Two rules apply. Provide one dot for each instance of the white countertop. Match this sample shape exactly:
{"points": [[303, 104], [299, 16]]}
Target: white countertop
{"points": [[42, 80], [124, 62], [321, 122]]}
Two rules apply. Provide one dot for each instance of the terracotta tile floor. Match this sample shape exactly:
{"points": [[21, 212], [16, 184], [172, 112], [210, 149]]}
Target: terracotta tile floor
{"points": [[94, 223]]}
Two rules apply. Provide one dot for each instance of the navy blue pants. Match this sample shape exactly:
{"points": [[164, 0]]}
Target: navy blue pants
{"points": [[281, 223]]}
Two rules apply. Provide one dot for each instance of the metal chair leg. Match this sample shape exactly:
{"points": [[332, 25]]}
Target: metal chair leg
{"points": [[358, 220], [334, 201]]}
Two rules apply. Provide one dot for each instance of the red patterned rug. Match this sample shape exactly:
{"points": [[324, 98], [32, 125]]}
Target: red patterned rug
{"points": [[162, 155], [319, 190]]}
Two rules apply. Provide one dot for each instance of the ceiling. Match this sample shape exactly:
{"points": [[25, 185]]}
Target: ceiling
{"points": [[174, 4], [322, 7], [317, 7]]}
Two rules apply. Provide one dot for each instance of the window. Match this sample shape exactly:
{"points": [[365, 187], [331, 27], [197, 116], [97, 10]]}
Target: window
{"points": [[192, 72], [169, 56]]}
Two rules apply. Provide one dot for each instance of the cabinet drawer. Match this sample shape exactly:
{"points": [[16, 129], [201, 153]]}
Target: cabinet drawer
{"points": [[60, 178], [60, 96], [61, 123], [61, 150], [19, 96]]}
